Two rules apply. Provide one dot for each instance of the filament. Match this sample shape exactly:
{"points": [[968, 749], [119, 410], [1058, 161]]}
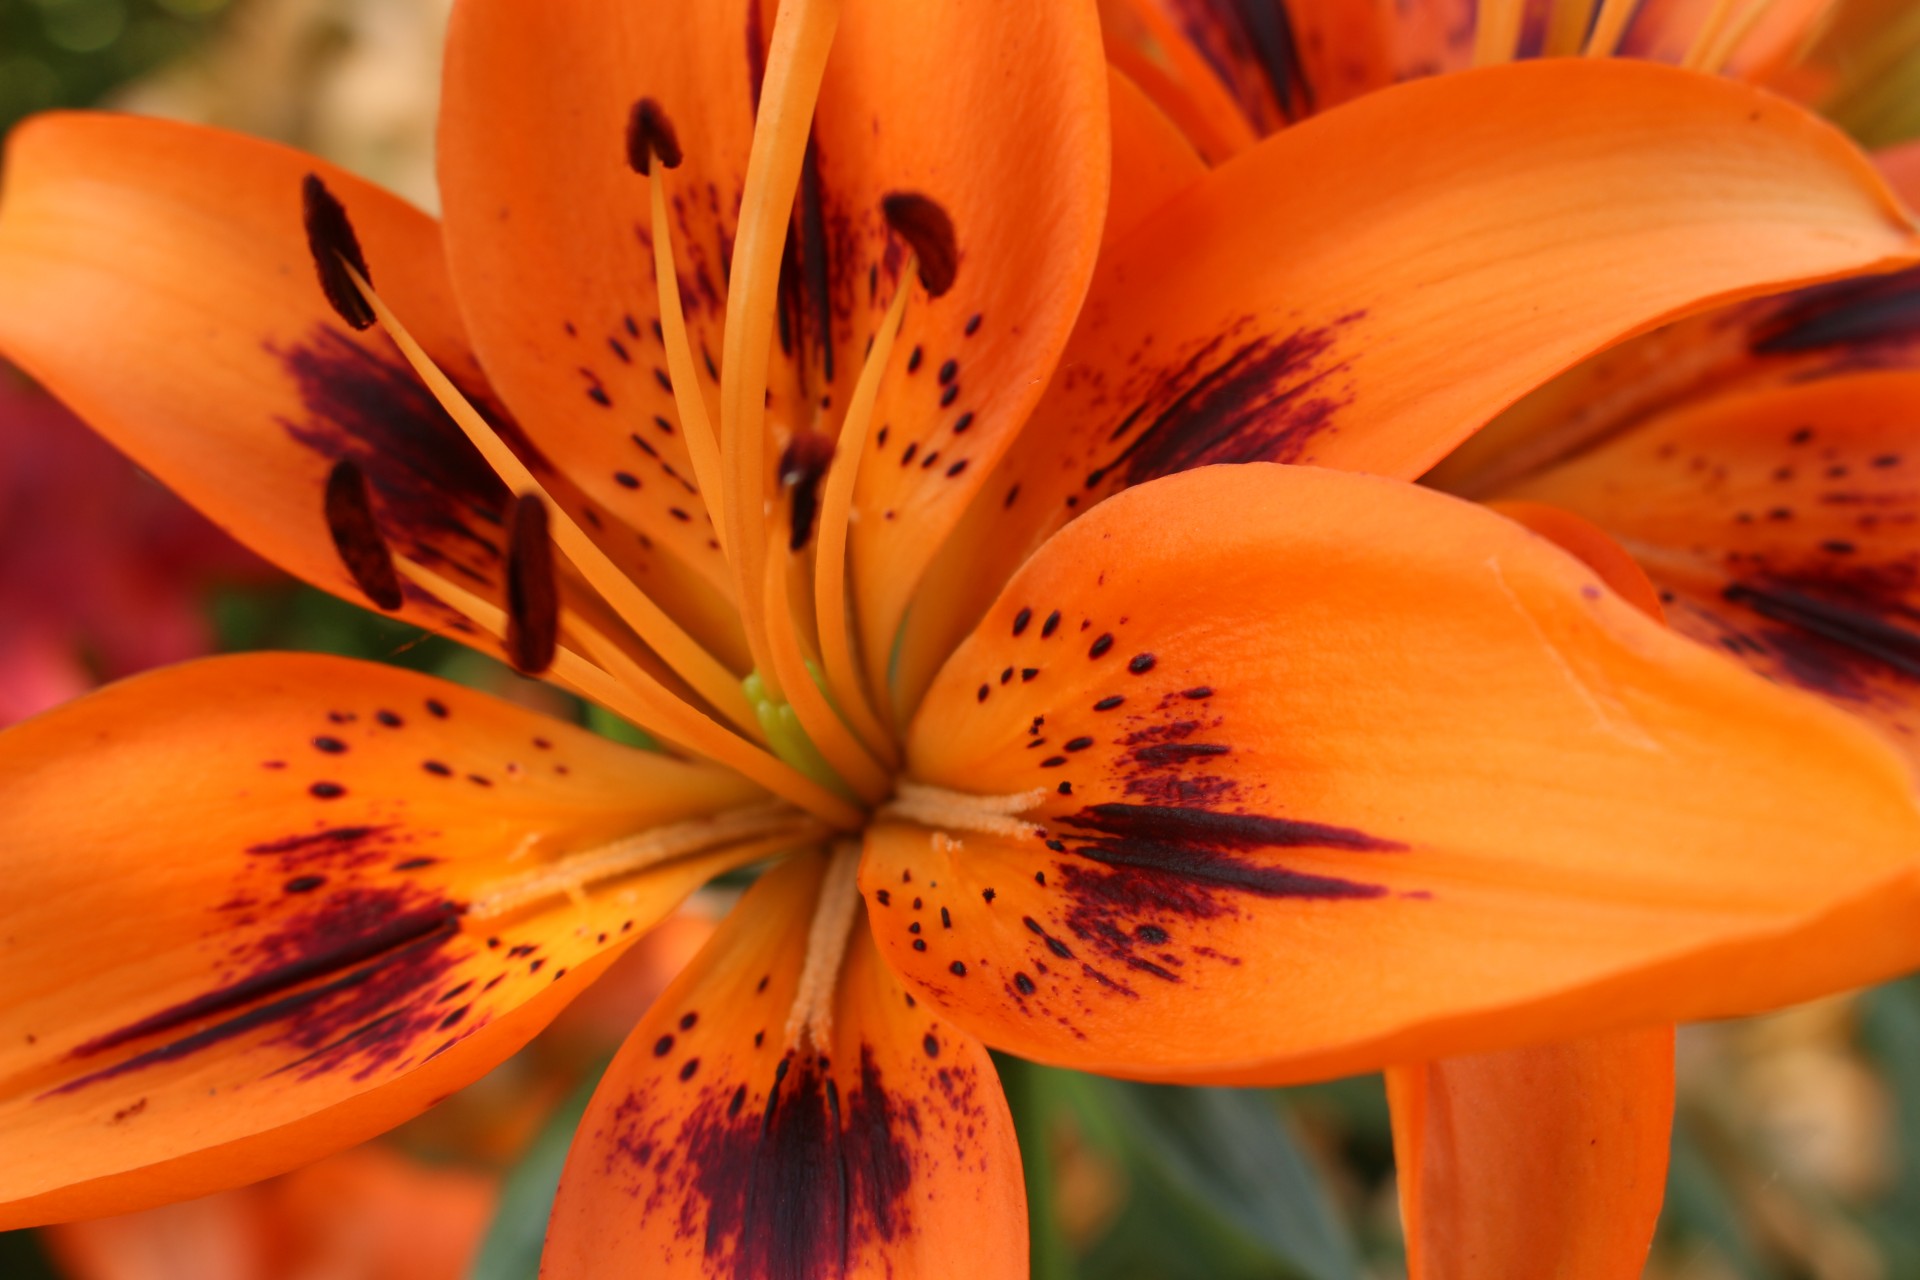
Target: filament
{"points": [[1568, 27], [959, 811], [1496, 31], [1609, 27], [1707, 37], [836, 510], [824, 728], [810, 1021], [796, 61], [689, 393], [569, 876]]}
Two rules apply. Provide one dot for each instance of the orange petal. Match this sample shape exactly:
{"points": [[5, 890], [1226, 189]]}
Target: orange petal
{"points": [[256, 914], [1360, 774], [715, 1147], [174, 257], [1535, 1162], [1589, 543], [1782, 525], [1528, 205], [1152, 160]]}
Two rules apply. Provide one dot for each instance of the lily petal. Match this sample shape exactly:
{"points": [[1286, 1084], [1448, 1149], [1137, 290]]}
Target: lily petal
{"points": [[1535, 1162], [1246, 323], [175, 257], [1782, 525], [260, 908], [1152, 159], [713, 1146], [1264, 751]]}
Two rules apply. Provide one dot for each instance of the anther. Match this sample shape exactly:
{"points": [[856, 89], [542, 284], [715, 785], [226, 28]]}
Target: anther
{"points": [[533, 598], [803, 465], [650, 134], [335, 248], [928, 231], [356, 536]]}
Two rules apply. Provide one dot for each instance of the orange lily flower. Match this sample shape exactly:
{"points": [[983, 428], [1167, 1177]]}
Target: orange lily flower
{"points": [[1591, 1118], [808, 347]]}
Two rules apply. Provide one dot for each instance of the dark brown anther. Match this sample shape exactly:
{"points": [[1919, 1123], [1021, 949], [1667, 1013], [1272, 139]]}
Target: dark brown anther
{"points": [[356, 536], [803, 465], [928, 231], [334, 247], [650, 134], [533, 595]]}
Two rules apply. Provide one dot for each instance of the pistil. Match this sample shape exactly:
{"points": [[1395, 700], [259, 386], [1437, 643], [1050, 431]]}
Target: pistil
{"points": [[810, 1021]]}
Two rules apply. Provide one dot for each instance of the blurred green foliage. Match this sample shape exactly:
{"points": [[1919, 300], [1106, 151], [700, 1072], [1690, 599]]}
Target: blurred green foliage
{"points": [[69, 53]]}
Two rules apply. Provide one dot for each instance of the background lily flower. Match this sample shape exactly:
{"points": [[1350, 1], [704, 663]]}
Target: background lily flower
{"points": [[1243, 773], [1753, 543]]}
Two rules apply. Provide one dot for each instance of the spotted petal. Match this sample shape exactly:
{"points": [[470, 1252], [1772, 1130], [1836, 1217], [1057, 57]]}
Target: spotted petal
{"points": [[261, 908], [716, 1147], [1364, 775], [1535, 1162], [1529, 209]]}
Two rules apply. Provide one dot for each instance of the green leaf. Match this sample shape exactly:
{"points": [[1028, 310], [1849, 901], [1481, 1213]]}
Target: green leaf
{"points": [[511, 1250], [1231, 1154]]}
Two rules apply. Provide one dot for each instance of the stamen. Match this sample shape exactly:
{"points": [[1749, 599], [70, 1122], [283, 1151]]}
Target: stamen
{"points": [[803, 464], [336, 252], [533, 597], [796, 61], [655, 628], [571, 875], [619, 684], [928, 231], [1496, 31], [1567, 27], [689, 391], [1707, 36], [957, 810], [356, 536], [830, 558], [1716, 57], [650, 134], [1609, 27], [810, 1021], [829, 734]]}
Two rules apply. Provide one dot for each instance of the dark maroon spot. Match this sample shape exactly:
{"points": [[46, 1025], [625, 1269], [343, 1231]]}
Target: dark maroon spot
{"points": [[686, 1072], [332, 746], [663, 1046], [931, 1044], [803, 466], [1065, 788], [1021, 619], [913, 360], [326, 790], [1054, 944], [600, 397], [958, 969], [304, 884], [907, 454], [986, 895], [917, 904], [1197, 692], [981, 695], [1024, 983], [335, 248], [961, 423], [1151, 933], [1006, 675], [914, 927], [1051, 625], [886, 899], [479, 780], [928, 231], [626, 480], [946, 921], [919, 944], [1108, 703], [536, 966], [1058, 846], [1079, 744], [650, 136], [533, 592], [949, 370], [1100, 646], [687, 1020], [437, 769], [542, 744], [762, 984], [1027, 674], [957, 468], [973, 324], [1838, 547], [436, 708], [1141, 663], [1053, 762], [948, 396], [1040, 878], [388, 719]]}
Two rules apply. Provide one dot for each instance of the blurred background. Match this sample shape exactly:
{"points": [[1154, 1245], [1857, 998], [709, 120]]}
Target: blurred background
{"points": [[1797, 1146]]}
